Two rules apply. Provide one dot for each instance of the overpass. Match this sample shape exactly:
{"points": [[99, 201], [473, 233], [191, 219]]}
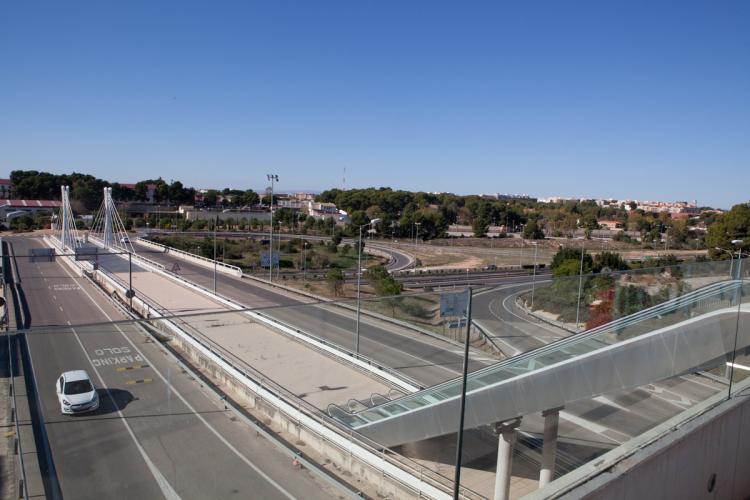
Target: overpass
{"points": [[611, 358]]}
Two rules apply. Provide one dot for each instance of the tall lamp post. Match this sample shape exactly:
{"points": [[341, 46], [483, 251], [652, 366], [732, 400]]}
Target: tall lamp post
{"points": [[216, 223], [272, 178], [533, 275], [580, 287], [738, 244], [359, 276], [731, 262]]}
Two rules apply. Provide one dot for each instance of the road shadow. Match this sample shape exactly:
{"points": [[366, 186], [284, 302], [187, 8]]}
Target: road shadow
{"points": [[113, 400]]}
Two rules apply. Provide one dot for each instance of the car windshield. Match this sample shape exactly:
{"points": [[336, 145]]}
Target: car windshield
{"points": [[78, 387]]}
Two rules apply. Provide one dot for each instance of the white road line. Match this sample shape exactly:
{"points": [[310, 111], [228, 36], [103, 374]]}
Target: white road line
{"points": [[188, 405], [497, 338], [587, 424], [525, 320], [609, 402], [164, 485]]}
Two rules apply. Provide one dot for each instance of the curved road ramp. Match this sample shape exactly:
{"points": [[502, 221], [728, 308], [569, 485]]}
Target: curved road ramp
{"points": [[602, 361]]}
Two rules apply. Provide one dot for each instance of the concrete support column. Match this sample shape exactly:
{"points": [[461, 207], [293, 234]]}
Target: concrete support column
{"points": [[506, 432], [549, 446]]}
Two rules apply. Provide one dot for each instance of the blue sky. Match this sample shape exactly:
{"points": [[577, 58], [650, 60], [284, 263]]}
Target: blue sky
{"points": [[649, 100]]}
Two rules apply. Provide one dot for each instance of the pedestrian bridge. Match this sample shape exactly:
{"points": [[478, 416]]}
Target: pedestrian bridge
{"points": [[673, 338]]}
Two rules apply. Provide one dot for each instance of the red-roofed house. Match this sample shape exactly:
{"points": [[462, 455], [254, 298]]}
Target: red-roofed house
{"points": [[14, 208]]}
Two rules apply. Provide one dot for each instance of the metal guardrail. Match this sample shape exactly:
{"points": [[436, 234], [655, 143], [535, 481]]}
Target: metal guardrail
{"points": [[244, 309], [267, 384], [387, 455], [236, 270], [23, 491]]}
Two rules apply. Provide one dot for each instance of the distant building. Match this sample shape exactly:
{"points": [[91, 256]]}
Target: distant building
{"points": [[303, 196], [507, 197], [4, 189], [322, 210], [611, 225], [293, 204], [10, 209]]}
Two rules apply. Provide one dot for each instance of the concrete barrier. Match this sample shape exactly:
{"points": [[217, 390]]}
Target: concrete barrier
{"points": [[391, 475], [196, 259]]}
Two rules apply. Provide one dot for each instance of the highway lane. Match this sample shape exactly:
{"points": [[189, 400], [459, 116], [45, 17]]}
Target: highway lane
{"points": [[160, 437], [421, 358], [399, 259], [586, 428], [496, 312]]}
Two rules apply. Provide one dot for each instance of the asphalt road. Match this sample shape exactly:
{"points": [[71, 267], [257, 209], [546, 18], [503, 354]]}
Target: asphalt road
{"points": [[587, 428], [515, 331], [157, 434], [421, 358], [400, 259]]}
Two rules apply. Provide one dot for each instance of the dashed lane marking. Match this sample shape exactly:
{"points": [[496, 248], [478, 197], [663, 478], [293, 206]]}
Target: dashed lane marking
{"points": [[141, 381], [134, 367]]}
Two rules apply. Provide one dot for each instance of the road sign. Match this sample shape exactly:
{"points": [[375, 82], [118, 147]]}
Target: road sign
{"points": [[175, 267], [42, 254], [454, 304], [264, 259], [87, 252]]}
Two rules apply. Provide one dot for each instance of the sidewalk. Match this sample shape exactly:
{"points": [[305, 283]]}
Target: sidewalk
{"points": [[310, 374]]}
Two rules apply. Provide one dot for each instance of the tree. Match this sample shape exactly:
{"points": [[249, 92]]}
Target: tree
{"points": [[568, 267], [532, 231], [480, 226], [569, 253], [211, 197], [335, 280], [382, 281], [733, 225], [249, 198], [609, 261], [337, 238]]}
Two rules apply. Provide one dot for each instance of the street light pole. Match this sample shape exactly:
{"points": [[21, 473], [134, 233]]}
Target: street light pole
{"points": [[580, 289], [304, 256], [216, 223], [731, 262], [359, 279], [533, 276], [738, 244], [130, 279], [272, 178]]}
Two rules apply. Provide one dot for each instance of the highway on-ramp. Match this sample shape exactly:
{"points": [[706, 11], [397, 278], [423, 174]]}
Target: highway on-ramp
{"points": [[157, 433], [586, 426], [420, 357]]}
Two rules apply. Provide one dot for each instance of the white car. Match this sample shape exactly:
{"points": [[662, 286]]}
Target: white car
{"points": [[76, 393], [124, 240]]}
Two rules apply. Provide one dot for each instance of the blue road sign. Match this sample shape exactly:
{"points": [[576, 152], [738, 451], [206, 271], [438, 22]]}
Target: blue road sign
{"points": [[454, 304]]}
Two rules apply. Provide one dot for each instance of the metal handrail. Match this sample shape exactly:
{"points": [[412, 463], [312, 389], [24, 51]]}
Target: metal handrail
{"points": [[192, 255], [414, 468]]}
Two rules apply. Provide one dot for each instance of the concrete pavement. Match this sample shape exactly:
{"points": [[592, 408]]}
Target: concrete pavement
{"points": [[156, 429]]}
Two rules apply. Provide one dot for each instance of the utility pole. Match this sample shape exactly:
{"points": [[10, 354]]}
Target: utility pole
{"points": [[359, 278], [272, 178], [580, 288], [216, 223], [459, 444]]}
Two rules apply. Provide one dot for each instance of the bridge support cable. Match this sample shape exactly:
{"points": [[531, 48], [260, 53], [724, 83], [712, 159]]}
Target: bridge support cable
{"points": [[68, 233], [108, 226]]}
